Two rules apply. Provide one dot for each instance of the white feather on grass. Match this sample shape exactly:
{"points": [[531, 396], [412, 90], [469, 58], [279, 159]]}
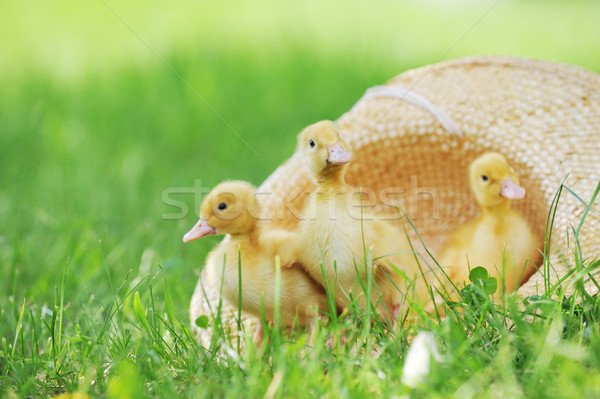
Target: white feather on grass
{"points": [[418, 359]]}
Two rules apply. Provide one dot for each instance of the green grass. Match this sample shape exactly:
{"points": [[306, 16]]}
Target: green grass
{"points": [[94, 128]]}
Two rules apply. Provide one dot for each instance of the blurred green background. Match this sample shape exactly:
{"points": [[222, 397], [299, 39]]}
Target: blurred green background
{"points": [[96, 123]]}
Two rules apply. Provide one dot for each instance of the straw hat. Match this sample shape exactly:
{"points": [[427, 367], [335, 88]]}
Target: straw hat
{"points": [[414, 138]]}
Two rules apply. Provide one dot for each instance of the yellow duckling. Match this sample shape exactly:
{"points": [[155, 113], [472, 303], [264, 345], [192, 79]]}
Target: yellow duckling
{"points": [[231, 208], [331, 231], [499, 239]]}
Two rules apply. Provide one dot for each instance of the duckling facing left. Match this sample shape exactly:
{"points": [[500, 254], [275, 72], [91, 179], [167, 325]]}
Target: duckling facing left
{"points": [[499, 239], [231, 208]]}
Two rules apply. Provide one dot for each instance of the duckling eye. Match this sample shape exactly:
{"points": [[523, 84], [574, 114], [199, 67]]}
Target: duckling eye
{"points": [[222, 206], [484, 178], [312, 144]]}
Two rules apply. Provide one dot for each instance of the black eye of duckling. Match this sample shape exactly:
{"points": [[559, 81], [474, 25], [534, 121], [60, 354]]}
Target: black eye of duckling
{"points": [[222, 206], [484, 178], [312, 143]]}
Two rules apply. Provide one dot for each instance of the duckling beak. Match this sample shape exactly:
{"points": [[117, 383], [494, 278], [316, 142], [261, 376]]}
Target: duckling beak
{"points": [[201, 229], [510, 189], [336, 155]]}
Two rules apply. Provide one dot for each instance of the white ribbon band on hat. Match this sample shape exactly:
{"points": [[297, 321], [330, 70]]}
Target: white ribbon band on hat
{"points": [[415, 99]]}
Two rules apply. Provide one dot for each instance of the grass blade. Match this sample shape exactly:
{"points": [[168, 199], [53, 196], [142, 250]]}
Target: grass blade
{"points": [[19, 327]]}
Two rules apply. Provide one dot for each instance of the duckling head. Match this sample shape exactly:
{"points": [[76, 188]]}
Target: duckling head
{"points": [[322, 149], [230, 208], [493, 181]]}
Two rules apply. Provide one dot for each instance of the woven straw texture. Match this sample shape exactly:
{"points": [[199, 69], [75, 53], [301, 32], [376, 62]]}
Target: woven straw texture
{"points": [[543, 117]]}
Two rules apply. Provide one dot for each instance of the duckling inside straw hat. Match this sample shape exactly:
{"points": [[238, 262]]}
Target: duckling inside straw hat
{"points": [[499, 239]]}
